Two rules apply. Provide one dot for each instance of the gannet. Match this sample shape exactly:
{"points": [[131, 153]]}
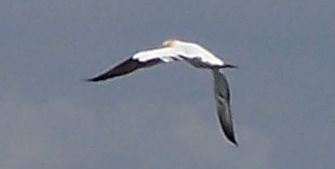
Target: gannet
{"points": [[194, 54]]}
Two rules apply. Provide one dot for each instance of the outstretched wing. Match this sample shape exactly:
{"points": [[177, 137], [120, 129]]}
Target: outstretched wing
{"points": [[140, 60], [123, 68], [222, 97]]}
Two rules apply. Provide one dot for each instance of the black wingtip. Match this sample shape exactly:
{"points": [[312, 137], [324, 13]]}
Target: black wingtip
{"points": [[89, 79], [231, 138], [98, 78], [233, 141], [92, 80], [228, 131]]}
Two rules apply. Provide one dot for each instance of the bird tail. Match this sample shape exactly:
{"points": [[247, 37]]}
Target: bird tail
{"points": [[229, 66]]}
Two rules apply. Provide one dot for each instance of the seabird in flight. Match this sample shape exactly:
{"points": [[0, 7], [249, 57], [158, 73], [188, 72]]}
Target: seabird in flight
{"points": [[192, 53]]}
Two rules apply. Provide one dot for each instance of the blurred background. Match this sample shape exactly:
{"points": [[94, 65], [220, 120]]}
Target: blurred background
{"points": [[283, 97]]}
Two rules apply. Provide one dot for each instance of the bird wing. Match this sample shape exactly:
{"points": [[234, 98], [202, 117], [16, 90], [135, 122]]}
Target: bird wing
{"points": [[139, 60], [222, 97], [194, 55]]}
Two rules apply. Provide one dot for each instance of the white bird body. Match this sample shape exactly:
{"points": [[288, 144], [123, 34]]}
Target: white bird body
{"points": [[175, 50], [196, 55]]}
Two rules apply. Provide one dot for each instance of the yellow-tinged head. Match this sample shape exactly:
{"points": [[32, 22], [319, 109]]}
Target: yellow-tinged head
{"points": [[169, 42]]}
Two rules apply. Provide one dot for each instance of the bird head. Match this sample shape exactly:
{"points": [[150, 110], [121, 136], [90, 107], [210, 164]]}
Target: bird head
{"points": [[169, 42]]}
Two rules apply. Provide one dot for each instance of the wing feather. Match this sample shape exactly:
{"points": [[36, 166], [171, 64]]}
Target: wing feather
{"points": [[194, 55], [222, 97], [140, 60]]}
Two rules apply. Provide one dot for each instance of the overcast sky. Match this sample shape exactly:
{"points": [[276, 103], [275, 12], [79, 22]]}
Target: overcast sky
{"points": [[283, 94]]}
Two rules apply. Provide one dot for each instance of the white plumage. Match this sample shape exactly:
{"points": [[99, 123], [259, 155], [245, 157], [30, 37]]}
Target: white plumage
{"points": [[178, 50], [196, 55]]}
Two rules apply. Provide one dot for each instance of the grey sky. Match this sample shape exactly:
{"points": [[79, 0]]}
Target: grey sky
{"points": [[283, 94]]}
